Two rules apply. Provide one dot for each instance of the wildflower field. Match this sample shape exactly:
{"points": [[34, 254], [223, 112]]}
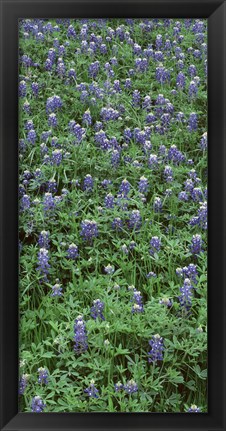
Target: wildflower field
{"points": [[113, 215]]}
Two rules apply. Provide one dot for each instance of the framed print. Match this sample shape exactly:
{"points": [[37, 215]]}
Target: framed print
{"points": [[112, 220]]}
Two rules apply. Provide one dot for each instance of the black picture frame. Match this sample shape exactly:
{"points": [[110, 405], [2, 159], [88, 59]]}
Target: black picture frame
{"points": [[215, 419]]}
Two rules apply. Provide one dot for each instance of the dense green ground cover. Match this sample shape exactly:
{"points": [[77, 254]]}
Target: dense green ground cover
{"points": [[124, 135]]}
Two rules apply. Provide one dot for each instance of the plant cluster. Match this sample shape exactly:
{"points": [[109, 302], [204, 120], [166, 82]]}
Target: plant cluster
{"points": [[113, 215]]}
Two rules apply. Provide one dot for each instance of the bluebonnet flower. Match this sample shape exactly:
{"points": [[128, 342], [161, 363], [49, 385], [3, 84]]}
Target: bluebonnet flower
{"points": [[147, 147], [94, 69], [189, 271], [158, 55], [21, 190], [22, 89], [196, 244], [92, 391], [31, 136], [108, 114], [61, 51], [153, 161], [37, 404], [116, 86], [26, 60], [124, 187], [52, 186], [146, 103], [136, 98], [143, 185], [124, 249], [98, 126], [201, 218], [87, 119], [128, 83], [48, 64], [114, 61], [168, 173], [60, 69], [117, 224], [88, 183], [127, 135], [118, 387], [168, 192], [115, 158], [137, 302], [193, 174], [72, 252], [137, 50], [135, 221], [109, 200], [43, 239], [189, 185], [71, 33], [56, 290], [192, 71], [26, 177], [198, 26], [155, 244], [193, 122], [180, 117], [162, 74], [157, 205], [165, 301], [139, 135], [183, 196], [29, 125], [46, 135], [52, 120], [197, 53], [185, 298], [180, 64], [80, 337], [43, 375], [48, 28], [101, 139], [151, 274], [35, 88], [168, 46], [53, 104], [175, 155], [141, 64], [23, 383], [97, 309], [197, 194], [43, 263], [109, 269], [203, 142], [77, 131], [48, 202], [25, 202], [193, 89], [158, 41], [89, 230], [57, 156], [194, 409], [71, 74], [131, 387], [180, 83], [27, 107], [157, 348]]}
